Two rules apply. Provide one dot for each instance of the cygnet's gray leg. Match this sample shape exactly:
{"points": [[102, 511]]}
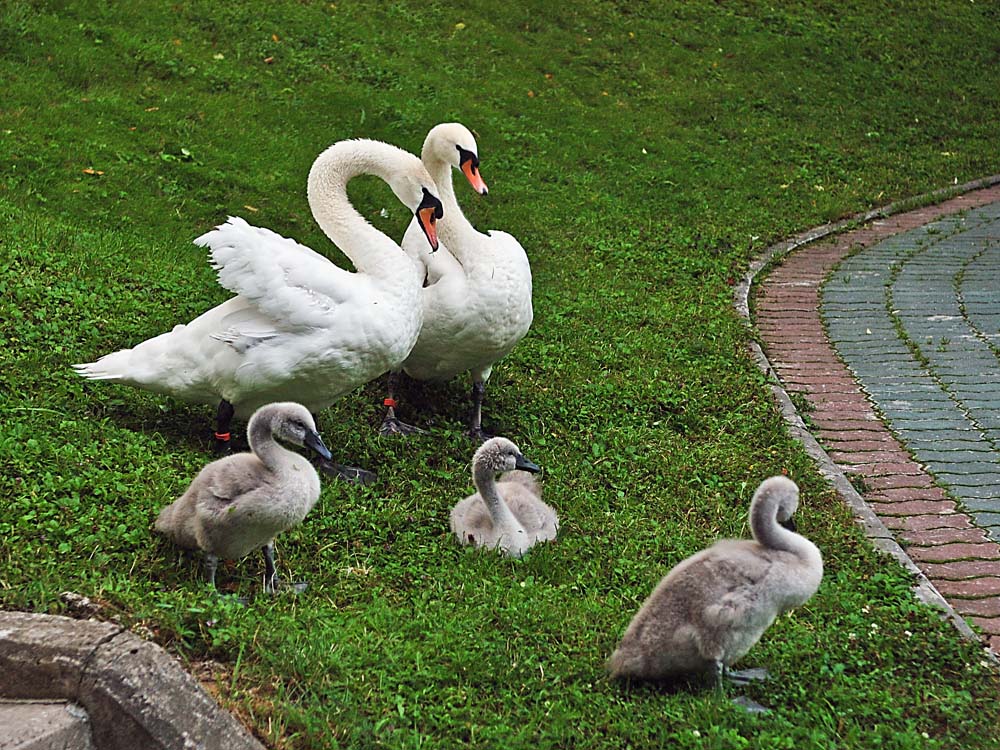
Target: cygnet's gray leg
{"points": [[271, 578], [475, 430], [391, 425], [210, 565], [270, 572], [223, 422], [347, 473]]}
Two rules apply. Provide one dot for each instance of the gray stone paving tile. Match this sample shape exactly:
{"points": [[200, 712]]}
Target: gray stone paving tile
{"points": [[970, 494], [972, 441], [888, 394], [906, 425], [981, 505], [989, 422], [987, 472], [987, 519], [975, 452]]}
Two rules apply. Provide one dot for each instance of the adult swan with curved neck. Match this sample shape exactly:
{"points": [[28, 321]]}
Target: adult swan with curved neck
{"points": [[477, 287], [299, 328]]}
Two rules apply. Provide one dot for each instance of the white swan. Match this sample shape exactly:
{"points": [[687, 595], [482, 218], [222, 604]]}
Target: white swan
{"points": [[508, 515], [299, 327], [714, 606], [477, 293], [241, 502]]}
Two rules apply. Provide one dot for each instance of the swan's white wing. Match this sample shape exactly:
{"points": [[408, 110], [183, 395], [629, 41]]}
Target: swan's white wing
{"points": [[285, 280]]}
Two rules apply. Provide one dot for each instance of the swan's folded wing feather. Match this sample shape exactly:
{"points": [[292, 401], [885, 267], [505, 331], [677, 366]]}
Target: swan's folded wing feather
{"points": [[285, 280]]}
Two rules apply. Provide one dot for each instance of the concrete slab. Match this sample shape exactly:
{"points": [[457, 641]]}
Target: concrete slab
{"points": [[44, 725]]}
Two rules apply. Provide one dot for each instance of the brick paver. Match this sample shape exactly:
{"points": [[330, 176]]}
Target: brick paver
{"points": [[891, 332]]}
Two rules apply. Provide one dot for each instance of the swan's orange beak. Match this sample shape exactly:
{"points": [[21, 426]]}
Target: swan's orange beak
{"points": [[471, 171], [427, 219]]}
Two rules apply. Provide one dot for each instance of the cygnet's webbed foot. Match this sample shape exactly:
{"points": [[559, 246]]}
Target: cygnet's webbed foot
{"points": [[391, 425], [741, 678], [346, 473], [750, 705], [745, 676], [276, 585]]}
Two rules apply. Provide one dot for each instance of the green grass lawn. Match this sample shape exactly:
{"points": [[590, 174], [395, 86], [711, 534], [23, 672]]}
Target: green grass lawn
{"points": [[642, 153]]}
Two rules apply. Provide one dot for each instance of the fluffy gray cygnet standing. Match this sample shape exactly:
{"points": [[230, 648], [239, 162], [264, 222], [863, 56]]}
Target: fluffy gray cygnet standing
{"points": [[241, 502], [508, 514], [714, 606]]}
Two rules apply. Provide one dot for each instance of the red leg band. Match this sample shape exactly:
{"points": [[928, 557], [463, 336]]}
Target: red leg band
{"points": [[390, 402]]}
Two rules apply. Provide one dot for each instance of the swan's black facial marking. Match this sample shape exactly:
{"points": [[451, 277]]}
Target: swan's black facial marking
{"points": [[427, 213], [468, 162], [429, 201], [465, 155], [788, 524]]}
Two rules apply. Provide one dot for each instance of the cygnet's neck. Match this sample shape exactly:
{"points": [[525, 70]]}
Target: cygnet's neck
{"points": [[503, 519], [260, 435], [454, 230], [371, 251], [767, 531]]}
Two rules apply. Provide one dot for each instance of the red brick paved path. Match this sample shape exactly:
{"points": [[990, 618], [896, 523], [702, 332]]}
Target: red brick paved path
{"points": [[944, 542]]}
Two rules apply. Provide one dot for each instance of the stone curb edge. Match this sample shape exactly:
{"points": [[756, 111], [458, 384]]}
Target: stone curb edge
{"points": [[876, 531], [136, 694]]}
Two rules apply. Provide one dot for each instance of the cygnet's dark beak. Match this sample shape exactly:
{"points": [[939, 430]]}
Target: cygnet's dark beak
{"points": [[315, 442], [520, 462], [789, 524]]}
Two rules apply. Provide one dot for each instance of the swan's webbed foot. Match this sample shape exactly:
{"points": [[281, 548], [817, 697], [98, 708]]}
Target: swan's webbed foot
{"points": [[477, 433], [391, 425], [347, 473]]}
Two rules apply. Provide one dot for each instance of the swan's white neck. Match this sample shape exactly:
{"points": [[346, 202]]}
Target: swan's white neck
{"points": [[504, 521], [261, 438], [371, 251], [454, 230]]}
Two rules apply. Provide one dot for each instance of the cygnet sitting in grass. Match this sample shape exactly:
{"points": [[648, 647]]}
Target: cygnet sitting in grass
{"points": [[508, 514], [241, 502], [714, 606]]}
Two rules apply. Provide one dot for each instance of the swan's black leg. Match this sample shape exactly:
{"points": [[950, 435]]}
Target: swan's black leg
{"points": [[475, 430], [210, 565], [391, 425], [223, 422]]}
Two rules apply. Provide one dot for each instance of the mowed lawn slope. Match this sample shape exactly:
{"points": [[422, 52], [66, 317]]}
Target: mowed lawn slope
{"points": [[642, 153]]}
